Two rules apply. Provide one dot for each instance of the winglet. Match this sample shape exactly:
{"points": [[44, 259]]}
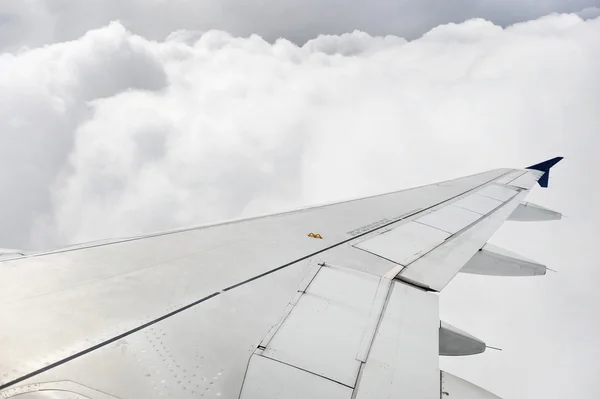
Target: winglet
{"points": [[545, 167]]}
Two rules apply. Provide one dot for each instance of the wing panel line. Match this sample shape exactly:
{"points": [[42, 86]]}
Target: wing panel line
{"points": [[107, 342], [305, 370]]}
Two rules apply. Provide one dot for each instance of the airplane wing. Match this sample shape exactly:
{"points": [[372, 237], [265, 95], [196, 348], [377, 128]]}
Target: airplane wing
{"points": [[334, 301]]}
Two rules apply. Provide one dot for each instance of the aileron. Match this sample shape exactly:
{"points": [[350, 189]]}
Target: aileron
{"points": [[478, 203], [437, 268], [405, 243], [450, 218], [497, 192]]}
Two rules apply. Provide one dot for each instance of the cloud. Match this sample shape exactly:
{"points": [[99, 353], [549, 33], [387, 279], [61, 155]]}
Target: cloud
{"points": [[33, 23], [44, 96], [589, 12], [115, 134]]}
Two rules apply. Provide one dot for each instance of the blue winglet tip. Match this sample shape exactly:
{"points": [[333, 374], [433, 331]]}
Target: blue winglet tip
{"points": [[545, 167]]}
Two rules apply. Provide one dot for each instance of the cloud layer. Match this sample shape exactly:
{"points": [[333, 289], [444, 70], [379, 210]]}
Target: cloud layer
{"points": [[114, 134], [36, 22]]}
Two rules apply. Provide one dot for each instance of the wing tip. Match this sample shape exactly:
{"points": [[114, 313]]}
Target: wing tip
{"points": [[545, 167]]}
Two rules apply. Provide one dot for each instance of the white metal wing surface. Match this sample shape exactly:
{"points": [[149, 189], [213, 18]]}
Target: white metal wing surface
{"points": [[336, 301]]}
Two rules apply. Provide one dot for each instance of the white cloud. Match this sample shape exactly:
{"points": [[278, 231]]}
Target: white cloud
{"points": [[203, 127], [114, 134], [43, 98]]}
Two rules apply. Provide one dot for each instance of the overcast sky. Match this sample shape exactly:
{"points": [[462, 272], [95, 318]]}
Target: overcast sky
{"points": [[160, 121], [36, 22]]}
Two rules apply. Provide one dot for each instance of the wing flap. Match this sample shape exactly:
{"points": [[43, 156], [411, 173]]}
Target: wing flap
{"points": [[402, 362], [330, 317]]}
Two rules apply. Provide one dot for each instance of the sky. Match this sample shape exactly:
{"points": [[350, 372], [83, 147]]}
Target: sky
{"points": [[120, 118]]}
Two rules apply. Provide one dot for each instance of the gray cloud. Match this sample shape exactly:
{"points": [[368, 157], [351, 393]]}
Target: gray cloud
{"points": [[589, 12], [37, 22]]}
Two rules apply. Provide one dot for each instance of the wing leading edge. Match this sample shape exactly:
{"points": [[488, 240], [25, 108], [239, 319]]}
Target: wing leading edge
{"points": [[259, 307]]}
